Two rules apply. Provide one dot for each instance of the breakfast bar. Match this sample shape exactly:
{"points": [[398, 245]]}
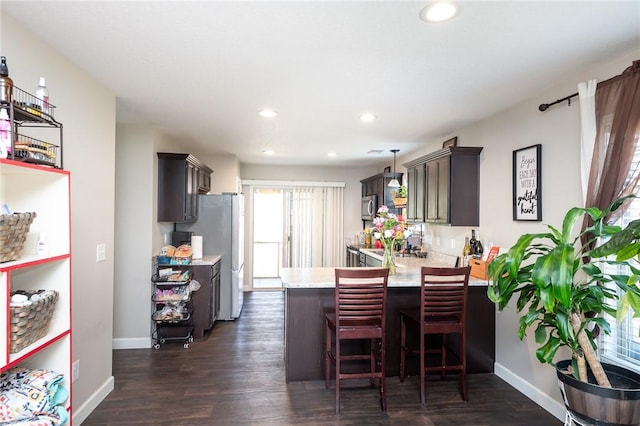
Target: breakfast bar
{"points": [[309, 295]]}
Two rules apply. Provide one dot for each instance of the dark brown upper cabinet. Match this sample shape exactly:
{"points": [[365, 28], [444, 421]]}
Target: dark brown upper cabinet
{"points": [[181, 177], [444, 187], [378, 185]]}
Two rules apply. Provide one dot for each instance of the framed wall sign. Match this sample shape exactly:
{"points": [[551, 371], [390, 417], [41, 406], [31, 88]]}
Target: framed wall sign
{"points": [[527, 190], [450, 142]]}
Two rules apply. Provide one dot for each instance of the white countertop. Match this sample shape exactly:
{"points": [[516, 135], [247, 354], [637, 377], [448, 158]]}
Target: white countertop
{"points": [[206, 260], [407, 273]]}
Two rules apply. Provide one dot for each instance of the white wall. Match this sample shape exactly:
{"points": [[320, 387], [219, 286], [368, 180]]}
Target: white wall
{"points": [[138, 235], [87, 111], [226, 172], [134, 216]]}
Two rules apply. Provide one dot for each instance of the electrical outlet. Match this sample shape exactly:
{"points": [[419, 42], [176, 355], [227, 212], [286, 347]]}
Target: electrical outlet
{"points": [[453, 243], [101, 252], [75, 371]]}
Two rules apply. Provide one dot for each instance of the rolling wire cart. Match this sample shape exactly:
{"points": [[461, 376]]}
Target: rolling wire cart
{"points": [[171, 319]]}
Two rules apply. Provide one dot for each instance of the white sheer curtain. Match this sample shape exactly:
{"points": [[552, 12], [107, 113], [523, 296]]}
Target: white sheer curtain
{"points": [[316, 226], [313, 221], [300, 233], [587, 95]]}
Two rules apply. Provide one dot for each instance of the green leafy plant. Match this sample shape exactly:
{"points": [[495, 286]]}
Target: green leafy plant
{"points": [[564, 298], [401, 192]]}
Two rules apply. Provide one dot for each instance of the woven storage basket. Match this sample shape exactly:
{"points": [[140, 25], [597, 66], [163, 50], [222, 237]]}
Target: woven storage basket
{"points": [[13, 233], [30, 323]]}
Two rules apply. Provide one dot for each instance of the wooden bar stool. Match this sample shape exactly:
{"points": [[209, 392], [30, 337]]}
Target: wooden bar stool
{"points": [[443, 299], [360, 300]]}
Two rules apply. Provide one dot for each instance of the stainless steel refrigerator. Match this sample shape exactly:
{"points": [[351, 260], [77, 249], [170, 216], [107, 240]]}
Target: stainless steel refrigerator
{"points": [[221, 224]]}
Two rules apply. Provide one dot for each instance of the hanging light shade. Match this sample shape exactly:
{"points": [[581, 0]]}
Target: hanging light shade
{"points": [[393, 183]]}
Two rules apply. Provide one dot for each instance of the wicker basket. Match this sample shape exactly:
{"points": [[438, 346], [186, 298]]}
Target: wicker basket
{"points": [[13, 233], [400, 201], [30, 323]]}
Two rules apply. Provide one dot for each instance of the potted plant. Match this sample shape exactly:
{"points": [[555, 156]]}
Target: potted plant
{"points": [[399, 196], [563, 298]]}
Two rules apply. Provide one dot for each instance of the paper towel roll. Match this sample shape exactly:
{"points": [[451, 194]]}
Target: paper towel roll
{"points": [[196, 246]]}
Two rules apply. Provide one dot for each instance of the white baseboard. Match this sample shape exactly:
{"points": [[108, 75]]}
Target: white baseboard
{"points": [[555, 408], [80, 414], [131, 343]]}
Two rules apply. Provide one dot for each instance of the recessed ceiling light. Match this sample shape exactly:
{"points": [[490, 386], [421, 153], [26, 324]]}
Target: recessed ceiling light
{"points": [[332, 154], [267, 113], [268, 152], [438, 12], [367, 118]]}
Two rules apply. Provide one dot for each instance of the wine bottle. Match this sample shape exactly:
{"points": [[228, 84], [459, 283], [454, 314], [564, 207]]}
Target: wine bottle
{"points": [[466, 252], [479, 247], [473, 243], [6, 84]]}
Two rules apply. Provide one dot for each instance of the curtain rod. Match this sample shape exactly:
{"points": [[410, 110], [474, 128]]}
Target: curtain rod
{"points": [[543, 107], [635, 66]]}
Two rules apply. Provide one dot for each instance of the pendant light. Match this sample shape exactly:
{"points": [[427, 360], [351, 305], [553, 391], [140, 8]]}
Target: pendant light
{"points": [[393, 183]]}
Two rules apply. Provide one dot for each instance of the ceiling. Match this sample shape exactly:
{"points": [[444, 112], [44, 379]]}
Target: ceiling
{"points": [[201, 70]]}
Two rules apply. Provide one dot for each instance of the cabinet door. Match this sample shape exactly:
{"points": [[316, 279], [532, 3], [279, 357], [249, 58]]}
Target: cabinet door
{"points": [[204, 182], [372, 262], [171, 189], [437, 172], [201, 299], [416, 192], [191, 193], [380, 191], [431, 173], [371, 187], [411, 193], [216, 291], [443, 190]]}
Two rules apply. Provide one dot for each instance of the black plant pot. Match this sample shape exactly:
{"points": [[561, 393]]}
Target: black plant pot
{"points": [[588, 402]]}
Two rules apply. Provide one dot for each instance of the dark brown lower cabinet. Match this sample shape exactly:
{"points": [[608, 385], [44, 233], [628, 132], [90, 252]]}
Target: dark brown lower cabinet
{"points": [[206, 301]]}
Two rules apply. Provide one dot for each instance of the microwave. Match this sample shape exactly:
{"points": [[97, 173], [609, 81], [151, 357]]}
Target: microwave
{"points": [[369, 207]]}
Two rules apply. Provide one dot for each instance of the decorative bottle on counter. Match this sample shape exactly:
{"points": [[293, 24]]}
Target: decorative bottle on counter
{"points": [[466, 252], [473, 242], [6, 84], [479, 247], [367, 238]]}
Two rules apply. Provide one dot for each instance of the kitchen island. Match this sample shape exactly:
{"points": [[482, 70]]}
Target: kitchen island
{"points": [[309, 295]]}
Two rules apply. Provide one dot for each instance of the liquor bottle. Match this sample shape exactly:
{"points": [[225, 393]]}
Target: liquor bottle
{"points": [[42, 93], [466, 252], [479, 247], [473, 242], [6, 84]]}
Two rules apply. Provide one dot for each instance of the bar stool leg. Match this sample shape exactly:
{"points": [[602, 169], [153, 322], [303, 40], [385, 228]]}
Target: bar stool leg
{"points": [[403, 349]]}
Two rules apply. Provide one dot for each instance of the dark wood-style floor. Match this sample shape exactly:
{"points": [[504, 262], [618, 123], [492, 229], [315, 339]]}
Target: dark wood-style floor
{"points": [[235, 376]]}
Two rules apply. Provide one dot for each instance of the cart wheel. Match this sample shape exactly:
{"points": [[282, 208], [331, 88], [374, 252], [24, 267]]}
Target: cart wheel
{"points": [[156, 346], [162, 341], [186, 346], [190, 339]]}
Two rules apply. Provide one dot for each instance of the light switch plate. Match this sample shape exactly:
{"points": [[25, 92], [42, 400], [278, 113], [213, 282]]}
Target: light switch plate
{"points": [[101, 252], [75, 371]]}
